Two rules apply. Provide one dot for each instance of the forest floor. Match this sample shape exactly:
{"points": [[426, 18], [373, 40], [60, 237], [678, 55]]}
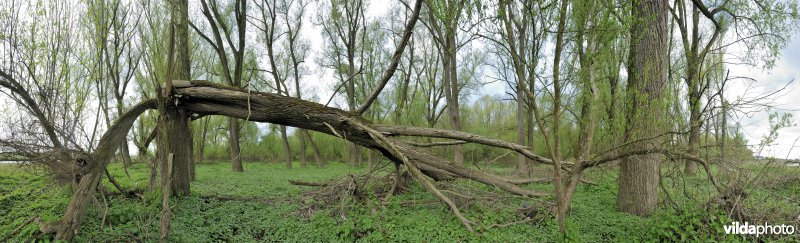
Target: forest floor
{"points": [[261, 205]]}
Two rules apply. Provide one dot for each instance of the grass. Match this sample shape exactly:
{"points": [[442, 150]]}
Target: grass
{"points": [[280, 211]]}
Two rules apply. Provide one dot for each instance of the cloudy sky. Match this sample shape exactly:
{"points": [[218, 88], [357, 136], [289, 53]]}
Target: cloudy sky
{"points": [[756, 125]]}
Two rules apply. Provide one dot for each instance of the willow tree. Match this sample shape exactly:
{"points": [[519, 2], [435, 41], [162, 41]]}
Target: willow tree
{"points": [[522, 31], [271, 31], [344, 25], [444, 19], [232, 66], [755, 24]]}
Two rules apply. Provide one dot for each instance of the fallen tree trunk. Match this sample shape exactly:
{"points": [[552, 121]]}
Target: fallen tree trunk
{"points": [[205, 98], [212, 99]]}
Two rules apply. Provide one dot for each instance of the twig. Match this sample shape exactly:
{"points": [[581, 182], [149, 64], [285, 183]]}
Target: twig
{"points": [[409, 30]]}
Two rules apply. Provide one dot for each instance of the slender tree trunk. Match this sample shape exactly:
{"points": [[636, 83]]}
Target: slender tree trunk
{"points": [[233, 131], [370, 159], [123, 148], [191, 128], [522, 162], [286, 150], [317, 154], [530, 123], [153, 166], [695, 119], [354, 152], [201, 145], [302, 137], [142, 152], [451, 92], [125, 153], [722, 163], [639, 175]]}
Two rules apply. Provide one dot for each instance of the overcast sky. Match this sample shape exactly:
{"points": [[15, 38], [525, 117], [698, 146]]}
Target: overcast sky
{"points": [[786, 70]]}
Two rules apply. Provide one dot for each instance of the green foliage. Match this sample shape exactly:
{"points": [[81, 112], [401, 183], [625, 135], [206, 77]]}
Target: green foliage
{"points": [[268, 208], [690, 225], [24, 195]]}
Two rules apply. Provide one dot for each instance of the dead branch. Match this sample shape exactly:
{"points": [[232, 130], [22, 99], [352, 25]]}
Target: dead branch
{"points": [[441, 133], [387, 75], [417, 174], [667, 152]]}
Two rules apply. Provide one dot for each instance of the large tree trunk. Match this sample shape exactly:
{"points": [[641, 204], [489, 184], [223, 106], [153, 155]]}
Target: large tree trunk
{"points": [[177, 118], [639, 175], [177, 126]]}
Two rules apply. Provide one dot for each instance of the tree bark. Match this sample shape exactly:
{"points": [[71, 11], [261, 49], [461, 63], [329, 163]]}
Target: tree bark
{"points": [[452, 96], [180, 141], [639, 175]]}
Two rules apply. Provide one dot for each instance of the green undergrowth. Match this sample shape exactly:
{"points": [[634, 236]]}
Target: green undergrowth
{"points": [[260, 205]]}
